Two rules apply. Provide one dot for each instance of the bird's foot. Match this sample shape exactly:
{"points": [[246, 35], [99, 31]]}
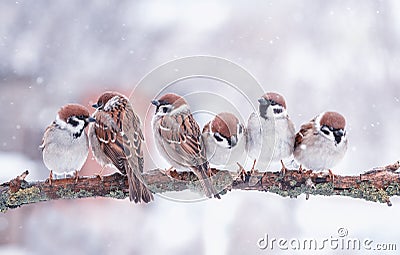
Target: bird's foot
{"points": [[241, 173], [170, 172], [50, 179], [253, 167], [283, 169], [76, 176], [331, 176], [300, 170]]}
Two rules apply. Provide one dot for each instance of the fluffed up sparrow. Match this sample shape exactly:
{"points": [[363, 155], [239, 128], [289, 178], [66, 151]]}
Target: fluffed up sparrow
{"points": [[116, 140], [322, 142], [224, 141], [65, 143], [270, 132], [178, 139]]}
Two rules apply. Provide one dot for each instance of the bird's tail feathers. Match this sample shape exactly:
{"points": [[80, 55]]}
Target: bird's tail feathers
{"points": [[203, 172], [138, 191]]}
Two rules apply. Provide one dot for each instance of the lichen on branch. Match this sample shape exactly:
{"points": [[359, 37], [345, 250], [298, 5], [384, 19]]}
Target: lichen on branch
{"points": [[376, 185]]}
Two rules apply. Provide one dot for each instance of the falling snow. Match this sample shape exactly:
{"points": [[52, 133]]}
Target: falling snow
{"points": [[92, 49], [39, 80]]}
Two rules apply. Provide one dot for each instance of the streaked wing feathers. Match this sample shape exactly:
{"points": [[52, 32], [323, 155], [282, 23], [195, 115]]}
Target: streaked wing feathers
{"points": [[113, 141], [303, 131], [183, 134]]}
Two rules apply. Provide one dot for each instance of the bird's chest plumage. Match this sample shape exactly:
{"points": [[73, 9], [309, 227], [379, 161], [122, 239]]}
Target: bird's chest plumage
{"points": [[320, 153], [64, 153], [278, 134], [223, 156]]}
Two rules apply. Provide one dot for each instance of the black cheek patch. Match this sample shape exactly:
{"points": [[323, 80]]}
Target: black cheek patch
{"points": [[338, 138]]}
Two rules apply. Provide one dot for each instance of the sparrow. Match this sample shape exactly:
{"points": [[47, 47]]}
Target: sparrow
{"points": [[223, 139], [270, 132], [321, 143], [116, 140], [178, 139], [65, 144]]}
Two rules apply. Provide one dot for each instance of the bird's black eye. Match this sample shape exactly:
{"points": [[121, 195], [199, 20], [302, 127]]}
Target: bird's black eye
{"points": [[273, 102], [97, 105]]}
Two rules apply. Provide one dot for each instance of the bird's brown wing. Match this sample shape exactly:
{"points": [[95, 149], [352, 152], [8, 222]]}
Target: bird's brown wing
{"points": [[182, 134], [190, 135], [185, 146], [114, 143], [131, 127], [303, 130], [132, 130], [48, 130], [120, 136], [206, 128]]}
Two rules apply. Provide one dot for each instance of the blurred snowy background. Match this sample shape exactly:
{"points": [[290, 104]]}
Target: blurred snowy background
{"points": [[321, 55]]}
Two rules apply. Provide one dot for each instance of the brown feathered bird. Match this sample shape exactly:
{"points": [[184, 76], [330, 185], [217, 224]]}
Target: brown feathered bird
{"points": [[116, 140], [178, 139]]}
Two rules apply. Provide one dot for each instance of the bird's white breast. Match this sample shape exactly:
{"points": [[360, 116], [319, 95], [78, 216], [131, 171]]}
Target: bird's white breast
{"points": [[225, 157], [63, 153], [269, 139]]}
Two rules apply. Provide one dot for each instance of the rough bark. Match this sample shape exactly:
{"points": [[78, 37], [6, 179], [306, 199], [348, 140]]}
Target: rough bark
{"points": [[376, 185]]}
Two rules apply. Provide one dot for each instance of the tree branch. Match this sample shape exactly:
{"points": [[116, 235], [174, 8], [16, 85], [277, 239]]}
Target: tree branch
{"points": [[377, 185]]}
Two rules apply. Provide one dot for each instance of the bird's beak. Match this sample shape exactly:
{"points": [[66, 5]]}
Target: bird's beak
{"points": [[233, 140], [90, 119], [264, 101], [95, 106], [155, 102]]}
